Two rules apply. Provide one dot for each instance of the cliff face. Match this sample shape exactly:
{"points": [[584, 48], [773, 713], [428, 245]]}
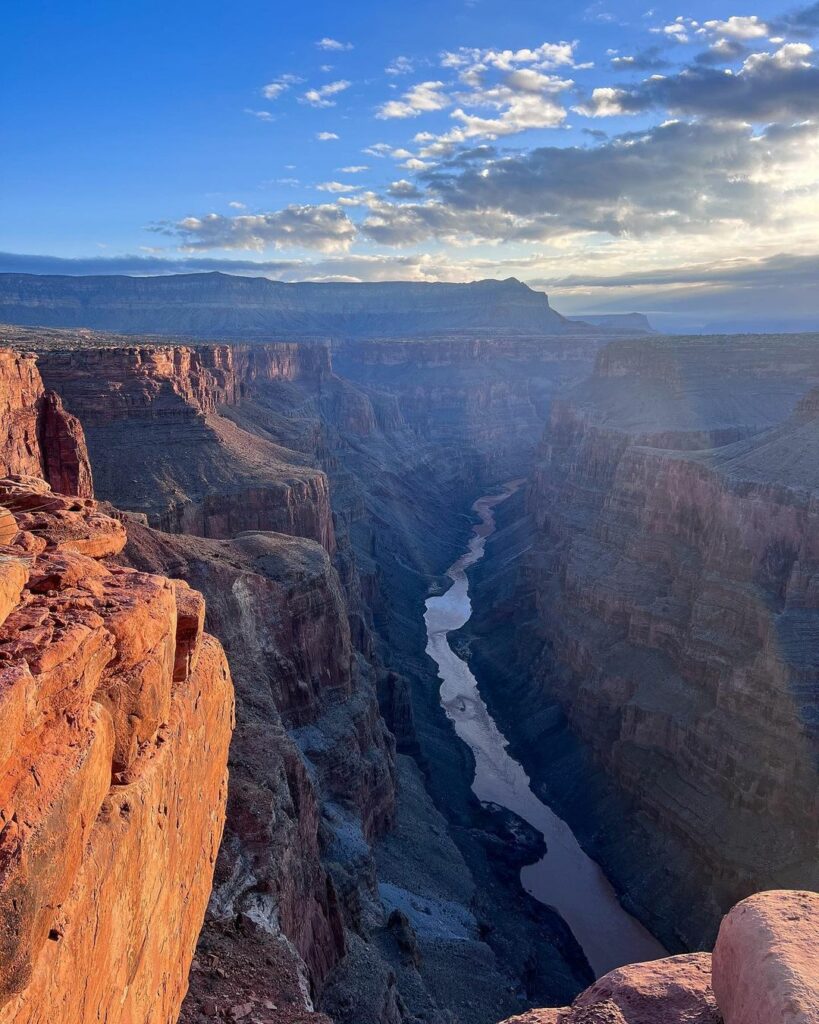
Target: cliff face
{"points": [[676, 599], [155, 407], [486, 396], [298, 910], [116, 716], [40, 437], [308, 738]]}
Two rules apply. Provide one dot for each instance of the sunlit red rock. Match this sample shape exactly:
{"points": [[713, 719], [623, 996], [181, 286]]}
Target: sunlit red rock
{"points": [[113, 774], [766, 960]]}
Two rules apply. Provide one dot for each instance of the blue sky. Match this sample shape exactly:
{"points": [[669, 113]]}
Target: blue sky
{"points": [[565, 146]]}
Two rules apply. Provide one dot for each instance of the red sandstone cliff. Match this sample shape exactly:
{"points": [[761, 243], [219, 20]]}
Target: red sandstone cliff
{"points": [[115, 717], [39, 437], [159, 446], [276, 603]]}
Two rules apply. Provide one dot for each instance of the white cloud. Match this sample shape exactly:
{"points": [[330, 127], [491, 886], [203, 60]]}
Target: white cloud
{"points": [[400, 66], [738, 27], [547, 55], [262, 115], [321, 97], [338, 187], [279, 85], [605, 102], [501, 93], [421, 98], [789, 57], [354, 169], [677, 31], [403, 189], [325, 228], [333, 44], [234, 205], [326, 136]]}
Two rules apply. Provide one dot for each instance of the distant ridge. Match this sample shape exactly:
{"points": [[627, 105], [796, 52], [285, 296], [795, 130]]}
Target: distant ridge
{"points": [[217, 305], [617, 321]]}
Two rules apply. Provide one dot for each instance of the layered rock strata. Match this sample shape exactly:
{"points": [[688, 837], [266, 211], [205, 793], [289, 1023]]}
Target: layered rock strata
{"points": [[225, 305], [676, 601], [116, 716], [303, 819], [39, 438], [310, 753], [160, 448]]}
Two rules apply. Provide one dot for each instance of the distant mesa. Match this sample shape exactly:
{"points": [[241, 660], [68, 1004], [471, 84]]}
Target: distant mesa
{"points": [[617, 321], [219, 306]]}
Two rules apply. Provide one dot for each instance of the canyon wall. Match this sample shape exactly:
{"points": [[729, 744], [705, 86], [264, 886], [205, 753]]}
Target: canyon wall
{"points": [[39, 438], [670, 559], [149, 414], [116, 711], [486, 395]]}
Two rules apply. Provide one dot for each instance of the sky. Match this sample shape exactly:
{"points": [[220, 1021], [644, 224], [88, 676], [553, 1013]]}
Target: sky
{"points": [[615, 155]]}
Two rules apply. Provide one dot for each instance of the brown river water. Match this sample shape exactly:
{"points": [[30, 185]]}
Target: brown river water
{"points": [[565, 878]]}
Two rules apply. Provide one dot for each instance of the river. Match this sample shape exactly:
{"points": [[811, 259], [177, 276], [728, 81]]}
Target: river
{"points": [[565, 878]]}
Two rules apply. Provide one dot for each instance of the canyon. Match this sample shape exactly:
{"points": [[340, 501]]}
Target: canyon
{"points": [[642, 636]]}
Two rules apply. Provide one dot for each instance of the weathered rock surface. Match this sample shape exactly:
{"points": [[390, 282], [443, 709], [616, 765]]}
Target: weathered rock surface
{"points": [[764, 970], [766, 960], [304, 813], [115, 718], [488, 395], [672, 991], [160, 448], [277, 605]]}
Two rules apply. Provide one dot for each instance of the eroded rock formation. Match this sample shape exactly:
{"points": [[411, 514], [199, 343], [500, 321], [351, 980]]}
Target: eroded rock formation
{"points": [[116, 713], [115, 717], [225, 305], [39, 437], [149, 414]]}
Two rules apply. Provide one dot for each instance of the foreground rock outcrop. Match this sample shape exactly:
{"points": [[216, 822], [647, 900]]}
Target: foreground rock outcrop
{"points": [[115, 718], [764, 970]]}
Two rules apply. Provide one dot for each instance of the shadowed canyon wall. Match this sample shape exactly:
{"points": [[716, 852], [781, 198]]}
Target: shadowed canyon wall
{"points": [[668, 545]]}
